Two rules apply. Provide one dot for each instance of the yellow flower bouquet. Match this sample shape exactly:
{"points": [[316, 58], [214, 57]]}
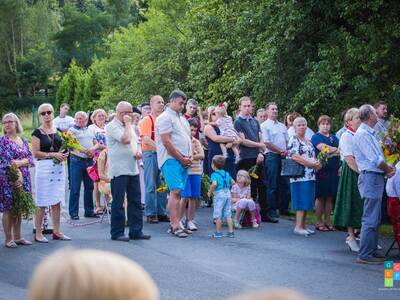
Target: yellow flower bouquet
{"points": [[253, 172], [163, 187], [390, 142], [69, 143], [324, 155]]}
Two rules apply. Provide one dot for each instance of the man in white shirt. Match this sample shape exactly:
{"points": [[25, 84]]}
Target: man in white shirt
{"points": [[64, 122], [174, 152], [276, 139], [123, 152]]}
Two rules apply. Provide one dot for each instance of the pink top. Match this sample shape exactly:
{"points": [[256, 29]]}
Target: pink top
{"points": [[240, 192], [225, 125]]}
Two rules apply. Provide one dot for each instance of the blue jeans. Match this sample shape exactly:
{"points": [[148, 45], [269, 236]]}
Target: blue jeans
{"points": [[154, 203], [129, 186], [77, 175], [277, 186]]}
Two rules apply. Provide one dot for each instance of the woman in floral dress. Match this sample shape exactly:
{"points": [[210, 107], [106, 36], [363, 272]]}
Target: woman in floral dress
{"points": [[14, 151], [302, 189]]}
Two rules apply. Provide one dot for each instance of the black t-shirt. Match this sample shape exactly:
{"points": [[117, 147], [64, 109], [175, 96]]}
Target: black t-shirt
{"points": [[47, 141]]}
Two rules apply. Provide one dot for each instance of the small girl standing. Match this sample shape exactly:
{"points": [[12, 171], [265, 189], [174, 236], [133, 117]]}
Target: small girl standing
{"points": [[241, 198], [225, 125]]}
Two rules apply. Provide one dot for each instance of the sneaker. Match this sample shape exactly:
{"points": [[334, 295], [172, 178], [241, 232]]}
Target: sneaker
{"points": [[237, 225], [302, 232], [255, 224], [191, 226], [217, 235], [230, 234], [353, 246], [310, 231]]}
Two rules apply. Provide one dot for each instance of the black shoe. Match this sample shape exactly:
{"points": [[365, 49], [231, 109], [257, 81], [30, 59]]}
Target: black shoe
{"points": [[269, 219], [287, 214], [370, 261], [121, 238], [75, 217], [141, 237], [163, 218], [92, 215]]}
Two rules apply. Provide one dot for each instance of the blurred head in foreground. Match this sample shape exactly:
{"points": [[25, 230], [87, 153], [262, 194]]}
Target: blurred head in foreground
{"points": [[90, 274]]}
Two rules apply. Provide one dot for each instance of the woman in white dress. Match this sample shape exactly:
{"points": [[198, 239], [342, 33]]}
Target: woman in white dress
{"points": [[49, 173]]}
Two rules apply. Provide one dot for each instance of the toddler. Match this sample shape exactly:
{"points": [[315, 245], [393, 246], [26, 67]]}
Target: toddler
{"points": [[221, 182], [241, 198], [225, 125]]}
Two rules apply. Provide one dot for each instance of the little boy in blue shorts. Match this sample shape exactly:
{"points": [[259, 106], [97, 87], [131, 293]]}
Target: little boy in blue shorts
{"points": [[221, 183]]}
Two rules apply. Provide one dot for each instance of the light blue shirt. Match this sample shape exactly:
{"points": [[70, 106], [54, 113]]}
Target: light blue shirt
{"points": [[275, 133], [367, 151]]}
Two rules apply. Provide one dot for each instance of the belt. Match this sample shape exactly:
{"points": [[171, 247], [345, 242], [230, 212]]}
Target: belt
{"points": [[371, 172], [81, 158]]}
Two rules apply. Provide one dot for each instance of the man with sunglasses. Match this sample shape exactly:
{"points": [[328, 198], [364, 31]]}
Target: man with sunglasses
{"points": [[123, 152]]}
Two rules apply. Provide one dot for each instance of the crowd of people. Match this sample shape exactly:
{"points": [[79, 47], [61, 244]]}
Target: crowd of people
{"points": [[136, 151]]}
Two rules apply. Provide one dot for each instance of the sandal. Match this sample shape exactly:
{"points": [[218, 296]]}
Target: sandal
{"points": [[99, 210], [11, 244], [321, 227], [23, 242], [330, 227], [178, 232]]}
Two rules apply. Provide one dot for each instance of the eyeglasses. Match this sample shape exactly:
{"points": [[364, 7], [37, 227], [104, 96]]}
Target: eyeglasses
{"points": [[126, 112], [43, 113], [8, 122]]}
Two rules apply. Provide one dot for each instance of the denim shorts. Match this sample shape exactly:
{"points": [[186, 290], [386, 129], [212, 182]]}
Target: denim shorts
{"points": [[222, 204], [192, 187], [175, 174]]}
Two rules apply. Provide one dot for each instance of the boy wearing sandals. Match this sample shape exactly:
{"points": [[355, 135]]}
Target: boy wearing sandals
{"points": [[221, 183]]}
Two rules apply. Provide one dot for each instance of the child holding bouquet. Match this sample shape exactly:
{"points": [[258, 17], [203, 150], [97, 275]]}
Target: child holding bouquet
{"points": [[241, 198], [221, 182]]}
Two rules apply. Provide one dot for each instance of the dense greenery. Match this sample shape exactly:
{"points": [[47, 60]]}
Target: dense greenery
{"points": [[310, 56]]}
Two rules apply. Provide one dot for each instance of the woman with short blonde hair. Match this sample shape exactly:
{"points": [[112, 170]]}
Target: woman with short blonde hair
{"points": [[49, 173], [90, 274]]}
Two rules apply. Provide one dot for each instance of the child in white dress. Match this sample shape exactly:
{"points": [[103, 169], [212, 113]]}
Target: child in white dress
{"points": [[225, 125]]}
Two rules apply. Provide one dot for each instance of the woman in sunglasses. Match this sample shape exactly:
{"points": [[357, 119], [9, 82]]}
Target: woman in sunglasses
{"points": [[49, 174]]}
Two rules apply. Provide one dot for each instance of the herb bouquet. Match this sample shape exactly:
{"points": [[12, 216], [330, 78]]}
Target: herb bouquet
{"points": [[22, 201]]}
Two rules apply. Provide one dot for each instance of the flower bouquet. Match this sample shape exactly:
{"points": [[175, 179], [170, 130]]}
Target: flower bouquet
{"points": [[69, 143], [253, 171], [390, 142], [163, 187], [22, 201], [324, 155]]}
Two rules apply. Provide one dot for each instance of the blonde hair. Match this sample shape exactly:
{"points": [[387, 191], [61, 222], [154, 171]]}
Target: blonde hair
{"points": [[221, 109], [210, 110], [90, 274], [43, 106], [15, 118], [95, 113], [246, 175], [299, 120], [350, 114]]}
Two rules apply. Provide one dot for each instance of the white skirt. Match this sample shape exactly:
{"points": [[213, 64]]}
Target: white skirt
{"points": [[49, 183]]}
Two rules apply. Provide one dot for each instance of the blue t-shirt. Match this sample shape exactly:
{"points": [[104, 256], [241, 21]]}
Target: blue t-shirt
{"points": [[222, 178], [333, 141]]}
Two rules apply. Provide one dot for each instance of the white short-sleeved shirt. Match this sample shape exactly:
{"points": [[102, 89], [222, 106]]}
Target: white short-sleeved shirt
{"points": [[85, 137], [63, 123], [275, 132], [176, 124], [393, 184], [121, 157], [346, 144], [309, 133]]}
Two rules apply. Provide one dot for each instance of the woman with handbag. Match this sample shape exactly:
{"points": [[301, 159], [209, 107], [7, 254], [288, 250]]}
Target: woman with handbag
{"points": [[302, 188]]}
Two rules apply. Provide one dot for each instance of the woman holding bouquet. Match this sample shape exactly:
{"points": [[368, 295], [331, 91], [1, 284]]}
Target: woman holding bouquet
{"points": [[49, 173], [327, 178], [14, 152]]}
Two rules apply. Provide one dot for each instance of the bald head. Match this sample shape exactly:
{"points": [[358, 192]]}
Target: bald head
{"points": [[157, 105], [123, 106]]}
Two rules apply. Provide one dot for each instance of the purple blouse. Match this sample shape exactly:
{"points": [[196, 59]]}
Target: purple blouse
{"points": [[9, 151]]}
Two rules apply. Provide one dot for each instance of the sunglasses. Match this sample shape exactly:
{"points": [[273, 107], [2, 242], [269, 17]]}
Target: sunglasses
{"points": [[43, 113]]}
